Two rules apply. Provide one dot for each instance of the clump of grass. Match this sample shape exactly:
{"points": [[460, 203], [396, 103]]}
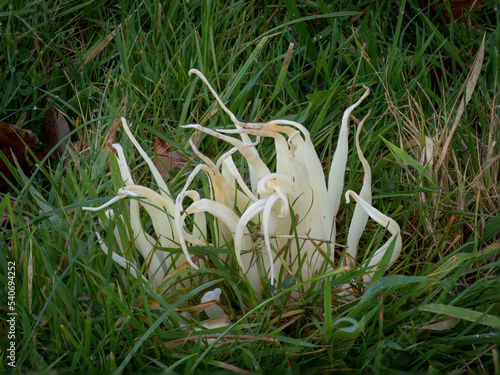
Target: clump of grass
{"points": [[435, 308]]}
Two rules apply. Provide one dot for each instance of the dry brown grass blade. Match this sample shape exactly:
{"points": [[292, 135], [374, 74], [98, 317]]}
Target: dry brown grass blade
{"points": [[158, 19], [177, 342], [288, 57], [100, 46], [200, 307], [441, 324], [469, 89], [21, 119], [111, 134], [218, 321], [233, 368], [287, 314]]}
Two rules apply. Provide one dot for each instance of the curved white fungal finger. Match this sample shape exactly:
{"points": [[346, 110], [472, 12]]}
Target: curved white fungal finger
{"points": [[241, 227], [241, 236], [199, 222], [224, 156], [339, 161], [157, 176], [161, 210], [280, 144], [216, 209], [248, 153], [142, 191], [121, 195], [285, 209], [214, 93], [244, 137], [375, 214], [121, 261], [384, 221], [116, 232], [145, 244], [210, 164], [266, 215], [179, 224], [179, 216], [231, 168], [360, 216], [122, 163], [268, 183]]}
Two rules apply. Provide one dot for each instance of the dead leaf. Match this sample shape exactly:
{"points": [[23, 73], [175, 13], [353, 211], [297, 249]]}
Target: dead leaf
{"points": [[167, 159], [54, 129], [437, 72], [5, 219], [459, 8], [14, 144]]}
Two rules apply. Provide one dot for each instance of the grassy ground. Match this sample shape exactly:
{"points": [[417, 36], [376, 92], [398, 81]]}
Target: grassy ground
{"points": [[434, 311]]}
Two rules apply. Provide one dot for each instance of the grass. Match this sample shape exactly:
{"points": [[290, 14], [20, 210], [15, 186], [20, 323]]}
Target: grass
{"points": [[434, 311]]}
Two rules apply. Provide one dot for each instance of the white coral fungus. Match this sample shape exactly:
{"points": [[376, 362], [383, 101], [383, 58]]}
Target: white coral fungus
{"points": [[301, 244]]}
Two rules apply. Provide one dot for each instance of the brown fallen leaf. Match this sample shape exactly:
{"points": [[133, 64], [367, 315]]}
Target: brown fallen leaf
{"points": [[54, 129], [458, 8], [14, 143], [5, 219], [167, 159], [437, 72]]}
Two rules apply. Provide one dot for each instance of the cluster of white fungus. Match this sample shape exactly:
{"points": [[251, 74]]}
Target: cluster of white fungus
{"points": [[255, 205]]}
